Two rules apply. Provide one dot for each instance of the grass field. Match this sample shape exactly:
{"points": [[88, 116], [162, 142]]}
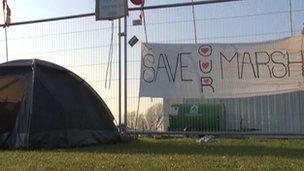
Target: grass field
{"points": [[165, 154]]}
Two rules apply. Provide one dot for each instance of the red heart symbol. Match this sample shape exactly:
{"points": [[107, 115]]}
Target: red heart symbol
{"points": [[206, 81], [205, 65], [205, 50]]}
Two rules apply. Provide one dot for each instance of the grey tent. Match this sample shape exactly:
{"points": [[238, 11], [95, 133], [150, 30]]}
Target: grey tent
{"points": [[43, 105]]}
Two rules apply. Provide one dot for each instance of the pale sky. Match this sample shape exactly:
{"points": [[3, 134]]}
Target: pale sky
{"points": [[37, 9]]}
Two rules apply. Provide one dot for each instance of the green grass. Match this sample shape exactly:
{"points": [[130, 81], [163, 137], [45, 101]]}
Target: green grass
{"points": [[165, 154]]}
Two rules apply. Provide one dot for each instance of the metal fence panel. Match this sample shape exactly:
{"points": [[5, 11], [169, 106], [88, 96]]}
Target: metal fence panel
{"points": [[244, 21], [82, 45]]}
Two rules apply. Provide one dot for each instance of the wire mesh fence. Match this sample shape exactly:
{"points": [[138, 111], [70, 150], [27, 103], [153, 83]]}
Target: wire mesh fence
{"points": [[243, 21], [82, 45]]}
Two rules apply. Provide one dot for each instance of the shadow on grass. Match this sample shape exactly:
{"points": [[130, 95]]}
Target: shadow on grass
{"points": [[212, 149]]}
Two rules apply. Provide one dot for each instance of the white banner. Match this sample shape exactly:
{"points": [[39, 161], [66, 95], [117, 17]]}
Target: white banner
{"points": [[222, 70]]}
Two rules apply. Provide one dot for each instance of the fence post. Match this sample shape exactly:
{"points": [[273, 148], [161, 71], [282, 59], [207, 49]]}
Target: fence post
{"points": [[290, 18], [6, 44], [119, 71], [125, 71], [194, 22]]}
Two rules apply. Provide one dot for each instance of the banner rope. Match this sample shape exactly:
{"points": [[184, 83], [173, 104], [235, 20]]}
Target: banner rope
{"points": [[110, 59]]}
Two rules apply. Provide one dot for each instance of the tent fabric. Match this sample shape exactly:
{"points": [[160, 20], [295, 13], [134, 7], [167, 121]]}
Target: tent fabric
{"points": [[53, 108], [10, 88]]}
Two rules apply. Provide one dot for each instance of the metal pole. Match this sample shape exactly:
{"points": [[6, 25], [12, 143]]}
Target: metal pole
{"points": [[173, 5], [6, 44], [125, 71], [194, 22], [145, 26], [290, 18], [137, 111], [5, 31], [119, 71]]}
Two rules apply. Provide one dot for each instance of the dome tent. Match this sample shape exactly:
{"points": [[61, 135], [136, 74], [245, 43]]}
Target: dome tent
{"points": [[43, 105]]}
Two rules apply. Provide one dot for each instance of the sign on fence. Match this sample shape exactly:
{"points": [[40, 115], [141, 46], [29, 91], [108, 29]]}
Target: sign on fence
{"points": [[109, 9], [222, 70]]}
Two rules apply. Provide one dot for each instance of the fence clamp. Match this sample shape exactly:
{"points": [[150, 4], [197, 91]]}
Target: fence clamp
{"points": [[121, 34]]}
